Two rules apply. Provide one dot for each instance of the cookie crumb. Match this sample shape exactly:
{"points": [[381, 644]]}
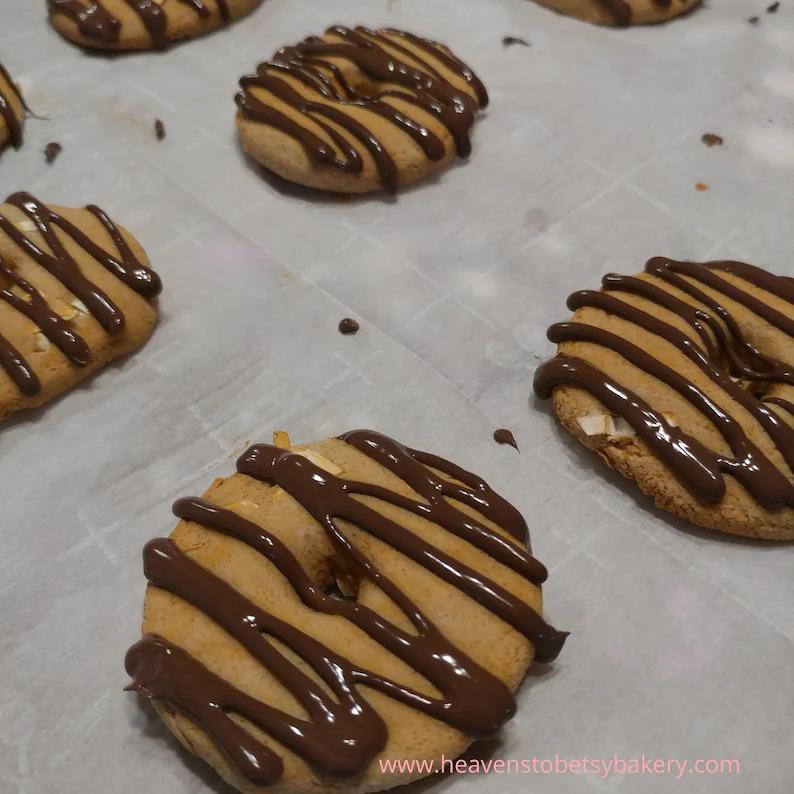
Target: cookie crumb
{"points": [[51, 152], [508, 41], [159, 130], [753, 20], [505, 436], [348, 326], [711, 139], [701, 187], [773, 8]]}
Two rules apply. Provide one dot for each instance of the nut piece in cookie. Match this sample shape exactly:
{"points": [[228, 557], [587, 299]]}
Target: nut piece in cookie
{"points": [[622, 13], [75, 293], [312, 614], [682, 379], [12, 110], [359, 110], [141, 24]]}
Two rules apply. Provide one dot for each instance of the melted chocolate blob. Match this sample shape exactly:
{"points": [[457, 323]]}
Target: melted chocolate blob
{"points": [[348, 325], [342, 733], [372, 52], [51, 152], [726, 353], [710, 139], [505, 436], [12, 121], [94, 21], [59, 263]]}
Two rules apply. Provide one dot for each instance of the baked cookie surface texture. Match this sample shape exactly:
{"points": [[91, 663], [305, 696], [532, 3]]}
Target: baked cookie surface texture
{"points": [[682, 379], [357, 110], [141, 24], [12, 111], [622, 13], [334, 604], [75, 292]]}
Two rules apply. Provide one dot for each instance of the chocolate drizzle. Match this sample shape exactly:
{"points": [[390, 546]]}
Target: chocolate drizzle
{"points": [[95, 22], [724, 352], [621, 13], [57, 261], [327, 95], [12, 120], [342, 734]]}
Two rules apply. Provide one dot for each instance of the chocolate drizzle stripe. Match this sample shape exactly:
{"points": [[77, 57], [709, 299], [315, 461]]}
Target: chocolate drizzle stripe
{"points": [[372, 52], [340, 734], [94, 21], [621, 10], [700, 469], [12, 361], [60, 264], [35, 308], [786, 405], [12, 120]]}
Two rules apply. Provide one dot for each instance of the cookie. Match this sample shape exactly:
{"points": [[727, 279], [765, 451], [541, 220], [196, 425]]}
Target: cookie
{"points": [[12, 111], [141, 24], [622, 13], [356, 111], [682, 379], [75, 292], [313, 614]]}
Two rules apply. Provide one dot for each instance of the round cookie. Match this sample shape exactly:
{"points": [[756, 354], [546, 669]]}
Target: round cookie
{"points": [[622, 13], [312, 615], [12, 111], [141, 24], [357, 111], [682, 379], [75, 293]]}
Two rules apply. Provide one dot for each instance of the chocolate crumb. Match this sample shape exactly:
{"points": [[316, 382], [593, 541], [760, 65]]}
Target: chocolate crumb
{"points": [[700, 186], [159, 130], [348, 326], [710, 139], [773, 8], [508, 41], [505, 436], [51, 152], [753, 20]]}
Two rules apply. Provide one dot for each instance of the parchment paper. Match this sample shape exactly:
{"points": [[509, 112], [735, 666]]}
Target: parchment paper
{"points": [[586, 162]]}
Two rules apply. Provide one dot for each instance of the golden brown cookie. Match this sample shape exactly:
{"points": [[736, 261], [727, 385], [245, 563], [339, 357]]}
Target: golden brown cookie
{"points": [[141, 24], [622, 13], [12, 110], [682, 379], [356, 111], [334, 605], [75, 292]]}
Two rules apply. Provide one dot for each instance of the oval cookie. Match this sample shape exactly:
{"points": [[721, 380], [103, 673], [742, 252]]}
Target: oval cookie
{"points": [[356, 111], [75, 292], [682, 379], [12, 111], [313, 614], [141, 24], [622, 13]]}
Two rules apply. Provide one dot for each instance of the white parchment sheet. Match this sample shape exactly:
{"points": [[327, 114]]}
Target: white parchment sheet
{"points": [[682, 642]]}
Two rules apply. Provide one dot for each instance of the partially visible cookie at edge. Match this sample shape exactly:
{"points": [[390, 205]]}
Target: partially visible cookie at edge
{"points": [[136, 25], [359, 110], [312, 614], [622, 13], [682, 379], [76, 292], [12, 110]]}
